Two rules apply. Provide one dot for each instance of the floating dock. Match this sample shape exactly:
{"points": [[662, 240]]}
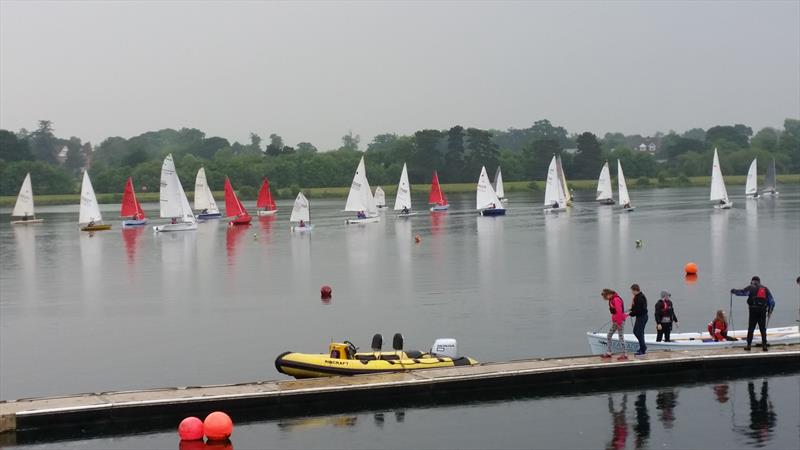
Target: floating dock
{"points": [[162, 408]]}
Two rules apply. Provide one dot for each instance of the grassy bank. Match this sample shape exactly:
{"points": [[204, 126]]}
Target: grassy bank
{"points": [[451, 188]]}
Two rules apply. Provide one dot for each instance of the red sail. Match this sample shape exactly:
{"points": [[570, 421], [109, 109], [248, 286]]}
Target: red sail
{"points": [[130, 206], [265, 199], [233, 207], [436, 196]]}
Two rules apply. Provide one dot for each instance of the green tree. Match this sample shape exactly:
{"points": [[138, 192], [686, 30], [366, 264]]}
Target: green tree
{"points": [[425, 154], [766, 139], [698, 134], [275, 146], [724, 137], [255, 141], [588, 159], [75, 159], [13, 148], [44, 144], [306, 147], [454, 156], [482, 152], [537, 156], [350, 141]]}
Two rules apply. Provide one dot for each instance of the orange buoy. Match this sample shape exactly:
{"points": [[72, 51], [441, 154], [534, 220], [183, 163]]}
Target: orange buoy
{"points": [[325, 291], [417, 239], [190, 429], [218, 426], [690, 268]]}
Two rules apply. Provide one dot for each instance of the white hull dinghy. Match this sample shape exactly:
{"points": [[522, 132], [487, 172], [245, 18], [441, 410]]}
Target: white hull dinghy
{"points": [[499, 188], [719, 195], [402, 201], [605, 196], [24, 206], [360, 199], [486, 200], [691, 341], [204, 202], [301, 214], [174, 204], [751, 186], [622, 188], [770, 181], [555, 199]]}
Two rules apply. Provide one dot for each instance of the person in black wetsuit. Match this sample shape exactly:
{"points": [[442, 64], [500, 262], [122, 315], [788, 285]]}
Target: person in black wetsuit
{"points": [[757, 300], [665, 316], [639, 311]]}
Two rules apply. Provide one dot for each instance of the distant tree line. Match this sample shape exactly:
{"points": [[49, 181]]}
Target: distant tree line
{"points": [[457, 153]]}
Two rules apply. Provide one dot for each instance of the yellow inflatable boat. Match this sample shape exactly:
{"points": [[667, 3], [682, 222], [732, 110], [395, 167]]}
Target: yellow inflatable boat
{"points": [[343, 358]]}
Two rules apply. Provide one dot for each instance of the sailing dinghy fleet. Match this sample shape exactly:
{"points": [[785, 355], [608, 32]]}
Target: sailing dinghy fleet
{"points": [[489, 200]]}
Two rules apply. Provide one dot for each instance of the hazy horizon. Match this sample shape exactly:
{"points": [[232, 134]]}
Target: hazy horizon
{"points": [[313, 71]]}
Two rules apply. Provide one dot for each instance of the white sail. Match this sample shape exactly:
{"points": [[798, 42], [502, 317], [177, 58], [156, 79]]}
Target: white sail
{"points": [[403, 198], [563, 177], [718, 191], [554, 188], [203, 198], [622, 186], [173, 199], [360, 197], [380, 197], [499, 189], [770, 181], [90, 210], [751, 187], [486, 197], [301, 209], [24, 205], [604, 191]]}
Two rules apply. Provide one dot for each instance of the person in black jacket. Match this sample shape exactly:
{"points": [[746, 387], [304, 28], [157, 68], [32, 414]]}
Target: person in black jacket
{"points": [[639, 311], [665, 317], [757, 299]]}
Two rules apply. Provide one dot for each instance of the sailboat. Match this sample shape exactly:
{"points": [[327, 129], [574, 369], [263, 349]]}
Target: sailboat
{"points": [[555, 199], [719, 194], [301, 214], [360, 199], [770, 182], [234, 207], [24, 206], [622, 187], [499, 189], [486, 201], [131, 207], [563, 178], [380, 197], [174, 204], [605, 195], [265, 203], [89, 215], [436, 196], [751, 186], [204, 202], [402, 202]]}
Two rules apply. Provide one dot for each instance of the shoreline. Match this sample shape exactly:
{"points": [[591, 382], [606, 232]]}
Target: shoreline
{"points": [[449, 188]]}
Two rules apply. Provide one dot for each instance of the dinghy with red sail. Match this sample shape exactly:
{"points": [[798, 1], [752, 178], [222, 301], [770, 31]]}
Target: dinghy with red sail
{"points": [[437, 197], [234, 208], [131, 209], [265, 203]]}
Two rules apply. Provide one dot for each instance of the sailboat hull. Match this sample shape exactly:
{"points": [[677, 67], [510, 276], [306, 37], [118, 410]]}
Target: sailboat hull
{"points": [[728, 205], [134, 223], [770, 194], [364, 220], [26, 222], [555, 210], [493, 212], [241, 221], [98, 227], [401, 215], [265, 212], [180, 226], [608, 201], [631, 209], [299, 229], [440, 207], [207, 216]]}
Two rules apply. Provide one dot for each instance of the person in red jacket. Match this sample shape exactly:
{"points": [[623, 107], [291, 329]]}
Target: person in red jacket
{"points": [[617, 309], [718, 328]]}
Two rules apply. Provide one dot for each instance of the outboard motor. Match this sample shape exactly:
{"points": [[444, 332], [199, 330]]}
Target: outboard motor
{"points": [[397, 342], [445, 347], [377, 342]]}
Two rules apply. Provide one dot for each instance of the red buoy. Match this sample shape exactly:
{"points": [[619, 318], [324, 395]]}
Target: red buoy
{"points": [[218, 426], [190, 429], [690, 268], [325, 291]]}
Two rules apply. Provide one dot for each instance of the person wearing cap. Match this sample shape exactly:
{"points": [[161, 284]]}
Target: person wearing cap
{"points": [[758, 299], [665, 316]]}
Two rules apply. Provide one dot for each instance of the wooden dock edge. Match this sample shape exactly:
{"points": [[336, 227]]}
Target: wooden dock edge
{"points": [[154, 408]]}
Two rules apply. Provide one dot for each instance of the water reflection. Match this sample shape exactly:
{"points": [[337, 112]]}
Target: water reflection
{"points": [[666, 401], [265, 223], [721, 393], [762, 416], [233, 237], [619, 425], [404, 240], [25, 238], [201, 445], [751, 222], [604, 241], [625, 242], [642, 426], [490, 258], [719, 233], [317, 422], [131, 237]]}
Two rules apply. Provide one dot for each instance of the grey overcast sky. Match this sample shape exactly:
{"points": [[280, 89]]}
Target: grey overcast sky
{"points": [[312, 71]]}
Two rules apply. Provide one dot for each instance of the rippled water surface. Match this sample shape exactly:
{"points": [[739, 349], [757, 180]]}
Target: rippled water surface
{"points": [[128, 309]]}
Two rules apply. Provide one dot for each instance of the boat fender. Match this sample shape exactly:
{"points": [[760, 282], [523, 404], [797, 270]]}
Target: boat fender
{"points": [[397, 341]]}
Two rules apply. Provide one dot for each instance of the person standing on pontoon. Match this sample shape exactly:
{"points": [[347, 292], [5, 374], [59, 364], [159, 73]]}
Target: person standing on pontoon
{"points": [[665, 316], [758, 297], [639, 311], [617, 309]]}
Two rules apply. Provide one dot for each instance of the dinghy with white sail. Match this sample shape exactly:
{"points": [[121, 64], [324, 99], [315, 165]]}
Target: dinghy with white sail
{"points": [[174, 204], [204, 202], [622, 187], [751, 186], [301, 214], [499, 188], [23, 208], [771, 181], [89, 217], [555, 199], [486, 201], [380, 198], [605, 195], [360, 199], [563, 177], [719, 195], [402, 201]]}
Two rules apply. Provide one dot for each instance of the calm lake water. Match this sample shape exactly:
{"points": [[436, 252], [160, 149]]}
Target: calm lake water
{"points": [[128, 309]]}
